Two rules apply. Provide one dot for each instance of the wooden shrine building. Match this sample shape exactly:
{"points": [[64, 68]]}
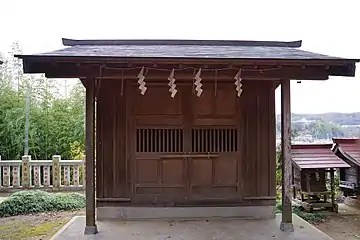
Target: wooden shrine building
{"points": [[348, 149], [185, 128], [313, 164]]}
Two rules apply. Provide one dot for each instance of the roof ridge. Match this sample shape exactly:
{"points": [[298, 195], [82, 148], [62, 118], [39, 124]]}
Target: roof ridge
{"points": [[97, 42]]}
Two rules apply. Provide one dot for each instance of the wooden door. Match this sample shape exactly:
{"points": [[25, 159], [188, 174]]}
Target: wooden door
{"points": [[187, 148], [214, 161], [159, 166]]}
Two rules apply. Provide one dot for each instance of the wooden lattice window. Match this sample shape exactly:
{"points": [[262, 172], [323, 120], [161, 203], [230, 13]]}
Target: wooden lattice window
{"points": [[159, 140], [206, 140]]}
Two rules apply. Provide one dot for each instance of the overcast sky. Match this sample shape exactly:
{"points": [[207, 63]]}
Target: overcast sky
{"points": [[330, 27]]}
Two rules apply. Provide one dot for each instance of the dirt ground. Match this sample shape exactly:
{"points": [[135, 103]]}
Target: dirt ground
{"points": [[40, 226], [342, 227]]}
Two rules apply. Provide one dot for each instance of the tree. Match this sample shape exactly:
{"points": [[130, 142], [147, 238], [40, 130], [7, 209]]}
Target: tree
{"points": [[56, 122]]}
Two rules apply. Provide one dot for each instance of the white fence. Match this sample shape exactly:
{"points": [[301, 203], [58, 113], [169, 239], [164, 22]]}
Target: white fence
{"points": [[55, 174]]}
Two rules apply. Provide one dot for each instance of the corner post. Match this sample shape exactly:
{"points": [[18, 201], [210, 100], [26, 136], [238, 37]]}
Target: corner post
{"points": [[286, 220], [90, 227]]}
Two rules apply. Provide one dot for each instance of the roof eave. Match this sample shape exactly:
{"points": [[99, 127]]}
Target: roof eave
{"points": [[336, 67], [164, 42], [343, 155]]}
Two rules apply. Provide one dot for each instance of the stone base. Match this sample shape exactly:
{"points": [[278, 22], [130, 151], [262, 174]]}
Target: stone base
{"points": [[286, 227], [136, 213], [89, 230]]}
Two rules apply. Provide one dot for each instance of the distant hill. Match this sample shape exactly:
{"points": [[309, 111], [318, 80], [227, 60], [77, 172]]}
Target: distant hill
{"points": [[331, 117]]}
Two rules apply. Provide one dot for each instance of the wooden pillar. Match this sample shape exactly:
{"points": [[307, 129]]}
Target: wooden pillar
{"points": [[90, 227], [286, 221], [332, 185]]}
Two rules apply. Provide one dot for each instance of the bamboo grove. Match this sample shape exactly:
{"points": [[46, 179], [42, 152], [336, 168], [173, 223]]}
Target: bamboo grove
{"points": [[56, 113]]}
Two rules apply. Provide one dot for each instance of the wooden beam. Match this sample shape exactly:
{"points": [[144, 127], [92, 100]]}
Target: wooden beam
{"points": [[275, 72], [311, 73], [286, 221], [90, 227]]}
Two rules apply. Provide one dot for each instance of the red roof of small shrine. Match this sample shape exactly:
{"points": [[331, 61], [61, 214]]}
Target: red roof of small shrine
{"points": [[349, 148], [310, 156]]}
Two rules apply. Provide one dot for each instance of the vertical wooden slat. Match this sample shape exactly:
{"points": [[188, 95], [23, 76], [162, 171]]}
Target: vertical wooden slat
{"points": [[143, 140], [163, 132], [220, 140], [166, 134], [148, 147], [257, 143], [176, 140], [202, 140], [217, 138], [207, 143], [155, 139], [115, 147], [213, 140], [172, 139], [234, 140], [286, 221]]}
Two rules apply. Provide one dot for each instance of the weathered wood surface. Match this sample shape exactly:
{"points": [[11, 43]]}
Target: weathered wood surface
{"points": [[212, 149], [286, 224], [90, 156]]}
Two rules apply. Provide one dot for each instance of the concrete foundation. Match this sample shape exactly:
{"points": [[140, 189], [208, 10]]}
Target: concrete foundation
{"points": [[139, 213], [224, 229]]}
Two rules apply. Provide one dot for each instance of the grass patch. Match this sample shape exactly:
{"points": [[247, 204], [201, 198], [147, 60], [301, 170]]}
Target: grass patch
{"points": [[313, 217], [29, 230], [36, 201]]}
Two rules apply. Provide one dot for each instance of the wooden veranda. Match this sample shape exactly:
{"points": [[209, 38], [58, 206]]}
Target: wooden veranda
{"points": [[185, 123]]}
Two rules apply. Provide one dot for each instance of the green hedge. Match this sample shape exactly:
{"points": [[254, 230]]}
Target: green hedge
{"points": [[35, 201]]}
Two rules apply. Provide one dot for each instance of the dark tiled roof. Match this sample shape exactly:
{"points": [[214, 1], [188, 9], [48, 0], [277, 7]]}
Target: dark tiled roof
{"points": [[308, 156], [206, 49]]}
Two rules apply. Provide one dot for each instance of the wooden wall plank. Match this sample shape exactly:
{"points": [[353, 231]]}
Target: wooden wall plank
{"points": [[255, 160]]}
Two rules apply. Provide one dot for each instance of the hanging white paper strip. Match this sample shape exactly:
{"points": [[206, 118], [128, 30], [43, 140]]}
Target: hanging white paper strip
{"points": [[198, 83]]}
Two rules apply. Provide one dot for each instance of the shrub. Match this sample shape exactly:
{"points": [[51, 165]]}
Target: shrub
{"points": [[313, 218], [35, 201]]}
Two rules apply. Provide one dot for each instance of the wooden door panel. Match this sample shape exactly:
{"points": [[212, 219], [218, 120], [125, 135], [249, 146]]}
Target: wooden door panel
{"points": [[213, 178], [226, 171], [172, 171], [147, 171], [160, 180], [201, 172]]}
